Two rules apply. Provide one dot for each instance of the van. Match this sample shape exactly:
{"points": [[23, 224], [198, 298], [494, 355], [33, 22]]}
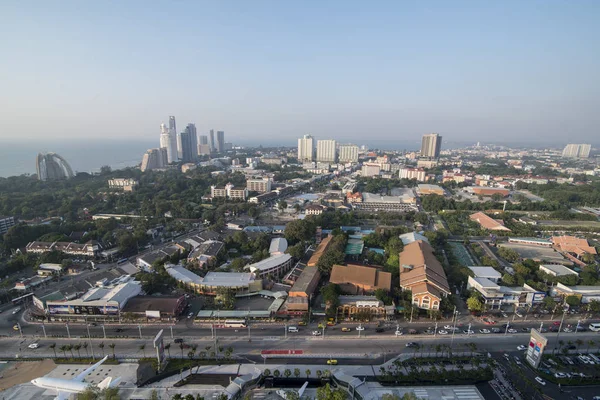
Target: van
{"points": [[293, 329], [595, 327]]}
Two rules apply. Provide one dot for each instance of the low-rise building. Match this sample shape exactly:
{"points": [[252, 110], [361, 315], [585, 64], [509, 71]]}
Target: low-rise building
{"points": [[425, 189], [88, 249], [153, 308], [573, 245], [206, 253], [487, 273], [124, 184], [410, 237], [229, 191], [321, 248], [306, 283], [359, 279], [314, 209], [530, 241], [585, 293], [260, 185], [488, 223], [278, 246], [352, 198], [274, 266], [488, 191], [212, 282], [361, 307], [494, 296], [47, 269], [557, 270], [370, 169], [412, 173], [146, 261], [374, 202]]}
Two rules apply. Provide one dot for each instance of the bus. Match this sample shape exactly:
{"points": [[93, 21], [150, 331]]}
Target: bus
{"points": [[235, 323], [595, 327]]}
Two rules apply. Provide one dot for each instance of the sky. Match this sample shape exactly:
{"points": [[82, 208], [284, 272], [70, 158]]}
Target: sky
{"points": [[504, 71]]}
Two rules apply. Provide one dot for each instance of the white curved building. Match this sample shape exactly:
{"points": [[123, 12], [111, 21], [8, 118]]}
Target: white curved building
{"points": [[51, 167]]}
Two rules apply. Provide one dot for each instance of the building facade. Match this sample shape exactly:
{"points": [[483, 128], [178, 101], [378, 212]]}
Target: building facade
{"points": [[412, 173], [51, 167], [154, 159], [187, 149], [229, 191], [326, 151], [577, 151], [348, 153], [431, 145], [220, 141], [306, 147], [6, 223], [125, 184], [260, 185]]}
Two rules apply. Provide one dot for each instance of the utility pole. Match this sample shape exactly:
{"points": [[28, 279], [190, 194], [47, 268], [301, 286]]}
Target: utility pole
{"points": [[68, 333], [171, 331], [324, 331], [90, 339], [411, 312], [435, 332], [285, 331], [44, 329], [140, 328], [20, 330], [104, 331]]}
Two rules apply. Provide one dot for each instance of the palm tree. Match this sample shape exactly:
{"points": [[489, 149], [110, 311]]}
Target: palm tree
{"points": [[78, 347], [296, 372], [276, 373], [191, 354], [53, 347], [181, 348], [194, 347], [578, 342], [307, 373], [438, 348], [230, 350], [143, 348], [202, 355], [85, 346], [64, 349], [319, 373], [112, 347], [287, 373], [70, 348], [267, 372], [590, 343], [101, 346], [168, 349]]}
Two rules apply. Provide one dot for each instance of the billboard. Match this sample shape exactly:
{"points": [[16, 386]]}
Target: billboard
{"points": [[160, 349], [535, 350]]}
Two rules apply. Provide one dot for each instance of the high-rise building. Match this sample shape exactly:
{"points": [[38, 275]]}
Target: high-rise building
{"points": [[326, 150], [220, 142], [154, 159], [431, 145], [168, 141], [203, 139], [191, 128], [260, 185], [187, 147], [173, 133], [306, 147], [348, 153], [51, 167], [6, 223], [211, 141], [577, 151], [204, 149]]}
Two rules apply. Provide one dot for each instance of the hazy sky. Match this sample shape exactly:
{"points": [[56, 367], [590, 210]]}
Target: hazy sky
{"points": [[351, 70]]}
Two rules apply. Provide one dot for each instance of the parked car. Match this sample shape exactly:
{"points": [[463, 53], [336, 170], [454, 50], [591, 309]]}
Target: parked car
{"points": [[517, 360], [559, 375], [178, 340], [346, 329], [301, 323], [468, 332], [316, 333], [496, 330], [412, 344], [379, 329], [442, 332], [360, 328], [484, 331], [399, 333], [190, 315], [521, 347], [540, 381], [511, 330], [16, 310], [504, 315]]}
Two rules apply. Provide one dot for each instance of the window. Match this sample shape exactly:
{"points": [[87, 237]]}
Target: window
{"points": [[425, 302]]}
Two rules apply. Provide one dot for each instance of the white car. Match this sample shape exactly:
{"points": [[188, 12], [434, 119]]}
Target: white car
{"points": [[448, 327], [399, 333], [521, 347], [559, 375], [540, 381], [190, 315], [16, 310], [484, 331], [316, 333], [33, 346], [468, 332], [512, 330], [360, 328], [517, 360], [442, 332]]}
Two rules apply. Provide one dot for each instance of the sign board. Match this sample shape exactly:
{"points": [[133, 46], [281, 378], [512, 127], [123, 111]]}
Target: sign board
{"points": [[535, 350], [160, 349]]}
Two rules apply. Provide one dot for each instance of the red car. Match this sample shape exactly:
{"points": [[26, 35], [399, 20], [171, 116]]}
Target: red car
{"points": [[556, 323]]}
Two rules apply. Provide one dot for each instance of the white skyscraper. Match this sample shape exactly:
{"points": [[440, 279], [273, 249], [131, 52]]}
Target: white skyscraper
{"points": [[326, 150], [431, 145], [168, 141], [348, 153], [577, 151], [306, 147]]}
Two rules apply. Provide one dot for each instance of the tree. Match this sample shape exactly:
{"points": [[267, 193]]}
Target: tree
{"points": [[331, 293], [291, 395], [299, 230], [573, 301], [78, 347], [328, 393], [276, 373], [307, 373], [287, 373], [101, 346], [112, 347], [474, 303], [53, 347], [266, 372], [94, 393], [282, 205], [549, 303], [296, 372], [594, 306], [168, 349]]}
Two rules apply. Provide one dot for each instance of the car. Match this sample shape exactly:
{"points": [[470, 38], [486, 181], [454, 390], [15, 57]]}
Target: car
{"points": [[16, 327], [519, 314], [496, 330], [517, 360], [360, 328], [379, 329], [504, 315], [346, 329], [484, 331], [442, 332], [572, 347], [302, 323], [521, 347], [16, 310], [559, 375], [190, 315], [511, 330], [33, 346], [506, 356], [448, 327], [540, 381], [332, 362], [412, 344], [398, 333], [178, 340], [316, 333], [556, 323], [468, 332], [119, 330], [567, 330]]}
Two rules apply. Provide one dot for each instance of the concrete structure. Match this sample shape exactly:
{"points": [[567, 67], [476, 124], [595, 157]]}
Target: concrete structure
{"points": [[530, 241], [488, 191], [229, 191], [321, 248], [585, 293], [361, 306], [358, 279], [278, 246], [260, 185], [412, 173], [487, 273], [274, 266], [422, 273], [374, 202], [431, 145], [154, 159], [212, 282], [495, 296], [124, 184], [314, 209], [47, 269], [370, 169], [206, 253], [156, 308], [88, 249], [146, 261], [577, 151], [51, 167], [97, 302], [557, 270], [220, 142], [306, 147], [425, 189], [410, 237], [326, 151], [188, 152], [348, 153], [488, 223], [204, 149], [6, 223]]}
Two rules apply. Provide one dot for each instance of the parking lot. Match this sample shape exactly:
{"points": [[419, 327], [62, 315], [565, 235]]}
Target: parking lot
{"points": [[537, 253]]}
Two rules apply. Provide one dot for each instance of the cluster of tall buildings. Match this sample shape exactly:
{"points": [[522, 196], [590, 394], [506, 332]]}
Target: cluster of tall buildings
{"points": [[577, 151], [327, 151], [184, 146]]}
